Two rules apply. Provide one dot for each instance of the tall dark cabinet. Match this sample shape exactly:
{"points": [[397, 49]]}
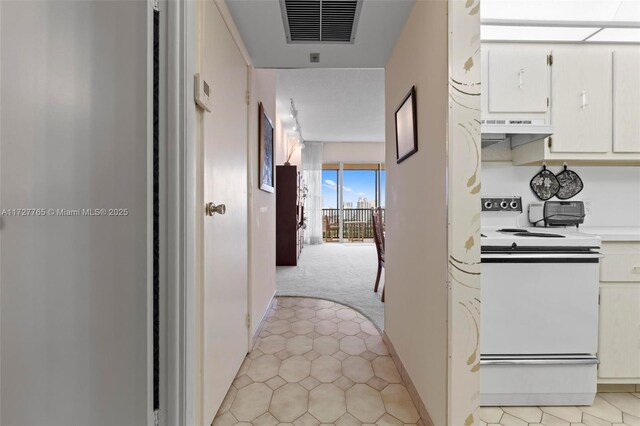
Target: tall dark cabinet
{"points": [[289, 215]]}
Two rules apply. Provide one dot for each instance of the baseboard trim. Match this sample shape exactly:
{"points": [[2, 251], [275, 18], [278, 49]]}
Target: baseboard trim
{"points": [[417, 401], [254, 337], [618, 387]]}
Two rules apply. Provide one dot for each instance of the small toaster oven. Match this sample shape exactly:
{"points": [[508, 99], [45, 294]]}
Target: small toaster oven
{"points": [[557, 213]]}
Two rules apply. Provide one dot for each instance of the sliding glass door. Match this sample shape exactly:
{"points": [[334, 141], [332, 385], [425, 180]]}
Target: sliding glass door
{"points": [[330, 205], [350, 192]]}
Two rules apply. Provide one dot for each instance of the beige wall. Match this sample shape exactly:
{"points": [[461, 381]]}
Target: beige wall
{"points": [[262, 205], [285, 145], [416, 228], [353, 152]]}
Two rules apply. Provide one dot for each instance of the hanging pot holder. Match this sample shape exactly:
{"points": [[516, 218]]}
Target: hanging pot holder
{"points": [[570, 184], [545, 184]]}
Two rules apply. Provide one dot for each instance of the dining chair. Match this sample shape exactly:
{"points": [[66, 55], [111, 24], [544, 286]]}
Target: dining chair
{"points": [[378, 237], [329, 227]]}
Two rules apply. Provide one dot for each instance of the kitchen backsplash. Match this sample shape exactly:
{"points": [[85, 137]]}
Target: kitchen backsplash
{"points": [[612, 193]]}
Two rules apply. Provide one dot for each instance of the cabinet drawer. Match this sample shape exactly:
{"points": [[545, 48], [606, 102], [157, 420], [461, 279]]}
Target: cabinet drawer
{"points": [[621, 262]]}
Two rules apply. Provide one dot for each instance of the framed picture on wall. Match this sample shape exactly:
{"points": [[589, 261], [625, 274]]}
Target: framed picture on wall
{"points": [[406, 127], [266, 163]]}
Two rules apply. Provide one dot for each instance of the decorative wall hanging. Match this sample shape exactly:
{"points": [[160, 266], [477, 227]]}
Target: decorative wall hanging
{"points": [[406, 127], [545, 184], [266, 160], [570, 184]]}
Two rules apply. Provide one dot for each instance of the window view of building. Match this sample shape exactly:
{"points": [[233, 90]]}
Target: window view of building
{"points": [[360, 188], [348, 200]]}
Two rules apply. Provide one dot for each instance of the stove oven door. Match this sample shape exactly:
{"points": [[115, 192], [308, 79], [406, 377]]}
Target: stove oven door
{"points": [[539, 304]]}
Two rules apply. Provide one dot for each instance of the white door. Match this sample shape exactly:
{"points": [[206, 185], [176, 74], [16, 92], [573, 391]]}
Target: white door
{"points": [[581, 96], [518, 81], [75, 288], [626, 101], [225, 236]]}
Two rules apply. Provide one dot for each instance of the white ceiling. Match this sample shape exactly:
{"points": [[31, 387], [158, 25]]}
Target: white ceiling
{"points": [[262, 30], [334, 105], [561, 10], [589, 21]]}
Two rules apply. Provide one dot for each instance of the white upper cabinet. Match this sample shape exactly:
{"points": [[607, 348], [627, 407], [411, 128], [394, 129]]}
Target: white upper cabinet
{"points": [[518, 81], [589, 96], [581, 93], [626, 101]]}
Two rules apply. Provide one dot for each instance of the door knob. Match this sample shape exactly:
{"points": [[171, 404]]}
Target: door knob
{"points": [[210, 209]]}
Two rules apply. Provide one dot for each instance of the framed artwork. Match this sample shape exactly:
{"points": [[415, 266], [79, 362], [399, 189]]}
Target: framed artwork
{"points": [[406, 127], [266, 178]]}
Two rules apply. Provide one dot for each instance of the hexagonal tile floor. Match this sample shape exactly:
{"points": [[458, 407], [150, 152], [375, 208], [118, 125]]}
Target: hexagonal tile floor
{"points": [[317, 362], [608, 409]]}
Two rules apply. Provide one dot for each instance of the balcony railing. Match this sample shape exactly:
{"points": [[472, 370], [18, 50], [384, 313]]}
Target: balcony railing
{"points": [[357, 225]]}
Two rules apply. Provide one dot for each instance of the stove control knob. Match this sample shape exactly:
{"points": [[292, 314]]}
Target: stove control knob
{"points": [[514, 205], [488, 204], [504, 205]]}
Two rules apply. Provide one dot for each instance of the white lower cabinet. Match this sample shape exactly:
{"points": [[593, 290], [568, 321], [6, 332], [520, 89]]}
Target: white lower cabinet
{"points": [[619, 323], [619, 352]]}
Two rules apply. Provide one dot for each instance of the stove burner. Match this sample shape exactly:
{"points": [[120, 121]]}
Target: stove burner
{"points": [[537, 234]]}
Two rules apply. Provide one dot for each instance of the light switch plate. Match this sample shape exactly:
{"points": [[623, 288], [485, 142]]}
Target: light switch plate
{"points": [[202, 92]]}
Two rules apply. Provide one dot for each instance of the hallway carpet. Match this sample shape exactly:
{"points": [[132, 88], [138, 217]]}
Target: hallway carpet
{"points": [[317, 362], [344, 273]]}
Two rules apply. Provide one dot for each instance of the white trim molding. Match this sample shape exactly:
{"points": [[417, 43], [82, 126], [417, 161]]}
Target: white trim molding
{"points": [[182, 391]]}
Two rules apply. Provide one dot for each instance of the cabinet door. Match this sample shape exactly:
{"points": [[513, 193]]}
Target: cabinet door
{"points": [[626, 101], [581, 100], [518, 81], [619, 340]]}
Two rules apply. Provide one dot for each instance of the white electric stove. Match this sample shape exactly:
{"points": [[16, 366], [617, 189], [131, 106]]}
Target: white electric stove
{"points": [[530, 237], [539, 318]]}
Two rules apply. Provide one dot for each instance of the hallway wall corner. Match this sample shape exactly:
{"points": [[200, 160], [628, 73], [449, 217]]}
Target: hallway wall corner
{"points": [[413, 392], [262, 205], [416, 213]]}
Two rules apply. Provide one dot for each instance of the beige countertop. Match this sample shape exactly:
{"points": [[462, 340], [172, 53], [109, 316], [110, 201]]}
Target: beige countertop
{"points": [[613, 233]]}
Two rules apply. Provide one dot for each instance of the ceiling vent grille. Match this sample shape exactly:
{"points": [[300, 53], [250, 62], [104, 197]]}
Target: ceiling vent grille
{"points": [[320, 21]]}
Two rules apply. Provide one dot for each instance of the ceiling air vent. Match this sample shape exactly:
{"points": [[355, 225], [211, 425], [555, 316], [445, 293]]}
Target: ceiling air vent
{"points": [[320, 21]]}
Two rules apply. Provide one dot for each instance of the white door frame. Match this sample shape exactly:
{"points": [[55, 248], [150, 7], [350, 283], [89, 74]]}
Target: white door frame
{"points": [[182, 208]]}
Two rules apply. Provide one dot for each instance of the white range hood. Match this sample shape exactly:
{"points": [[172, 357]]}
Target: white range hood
{"points": [[518, 132]]}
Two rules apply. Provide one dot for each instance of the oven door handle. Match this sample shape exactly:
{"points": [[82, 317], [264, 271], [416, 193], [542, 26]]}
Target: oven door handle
{"points": [[541, 257], [541, 361]]}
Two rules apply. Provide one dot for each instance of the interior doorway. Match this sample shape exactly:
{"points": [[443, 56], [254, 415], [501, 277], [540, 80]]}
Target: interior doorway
{"points": [[333, 123]]}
